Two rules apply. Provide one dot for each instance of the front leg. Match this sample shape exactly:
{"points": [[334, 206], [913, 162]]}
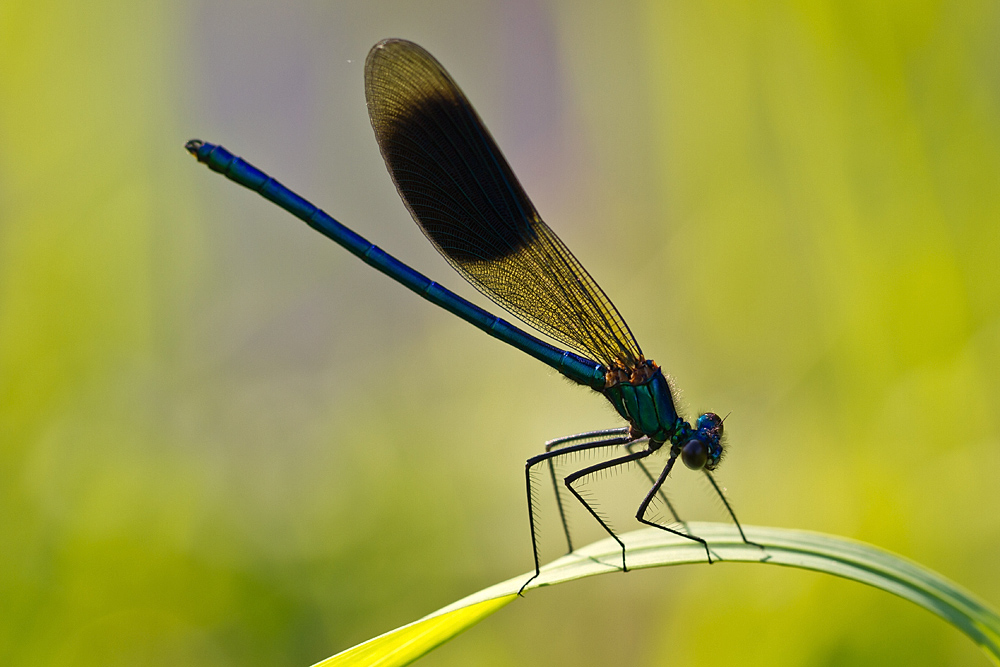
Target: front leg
{"points": [[641, 513], [732, 513], [652, 480]]}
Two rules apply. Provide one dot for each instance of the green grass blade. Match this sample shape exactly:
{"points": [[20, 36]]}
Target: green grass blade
{"points": [[655, 548], [407, 643]]}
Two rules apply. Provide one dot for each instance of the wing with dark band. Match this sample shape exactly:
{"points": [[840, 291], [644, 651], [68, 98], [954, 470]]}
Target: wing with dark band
{"points": [[463, 194]]}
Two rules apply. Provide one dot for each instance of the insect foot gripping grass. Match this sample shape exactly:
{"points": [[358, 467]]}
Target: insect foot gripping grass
{"points": [[653, 548]]}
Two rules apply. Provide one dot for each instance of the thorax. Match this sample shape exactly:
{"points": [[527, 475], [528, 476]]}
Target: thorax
{"points": [[642, 396]]}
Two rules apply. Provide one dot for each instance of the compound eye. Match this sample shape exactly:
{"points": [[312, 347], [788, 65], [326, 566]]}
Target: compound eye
{"points": [[695, 454], [709, 422], [714, 456]]}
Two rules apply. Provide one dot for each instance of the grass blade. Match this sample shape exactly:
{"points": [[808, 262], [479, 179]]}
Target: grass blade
{"points": [[655, 548]]}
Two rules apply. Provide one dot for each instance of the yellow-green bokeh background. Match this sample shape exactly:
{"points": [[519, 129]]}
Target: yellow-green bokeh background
{"points": [[224, 441]]}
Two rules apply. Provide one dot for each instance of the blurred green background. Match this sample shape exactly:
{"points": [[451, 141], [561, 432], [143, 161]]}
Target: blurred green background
{"points": [[225, 441]]}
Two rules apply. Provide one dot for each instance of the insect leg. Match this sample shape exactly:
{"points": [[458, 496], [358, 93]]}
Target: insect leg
{"points": [[621, 460], [564, 442], [613, 441], [652, 480], [641, 513], [730, 509]]}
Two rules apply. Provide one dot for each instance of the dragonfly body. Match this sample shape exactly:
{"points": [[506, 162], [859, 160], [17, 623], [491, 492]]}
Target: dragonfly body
{"points": [[573, 366], [465, 198], [642, 398]]}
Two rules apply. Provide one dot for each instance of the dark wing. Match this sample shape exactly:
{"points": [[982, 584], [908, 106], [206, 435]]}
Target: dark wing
{"points": [[463, 194]]}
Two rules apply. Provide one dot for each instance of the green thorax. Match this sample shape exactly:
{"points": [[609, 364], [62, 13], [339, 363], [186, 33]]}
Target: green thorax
{"points": [[642, 396]]}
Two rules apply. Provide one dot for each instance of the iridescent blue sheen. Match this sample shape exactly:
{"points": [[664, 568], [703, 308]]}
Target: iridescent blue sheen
{"points": [[647, 406], [464, 196]]}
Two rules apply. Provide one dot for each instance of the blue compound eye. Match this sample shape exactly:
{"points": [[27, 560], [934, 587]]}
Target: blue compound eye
{"points": [[695, 454], [714, 455], [709, 422]]}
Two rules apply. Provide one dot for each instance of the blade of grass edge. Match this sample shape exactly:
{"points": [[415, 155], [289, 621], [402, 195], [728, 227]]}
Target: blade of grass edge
{"points": [[655, 548]]}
